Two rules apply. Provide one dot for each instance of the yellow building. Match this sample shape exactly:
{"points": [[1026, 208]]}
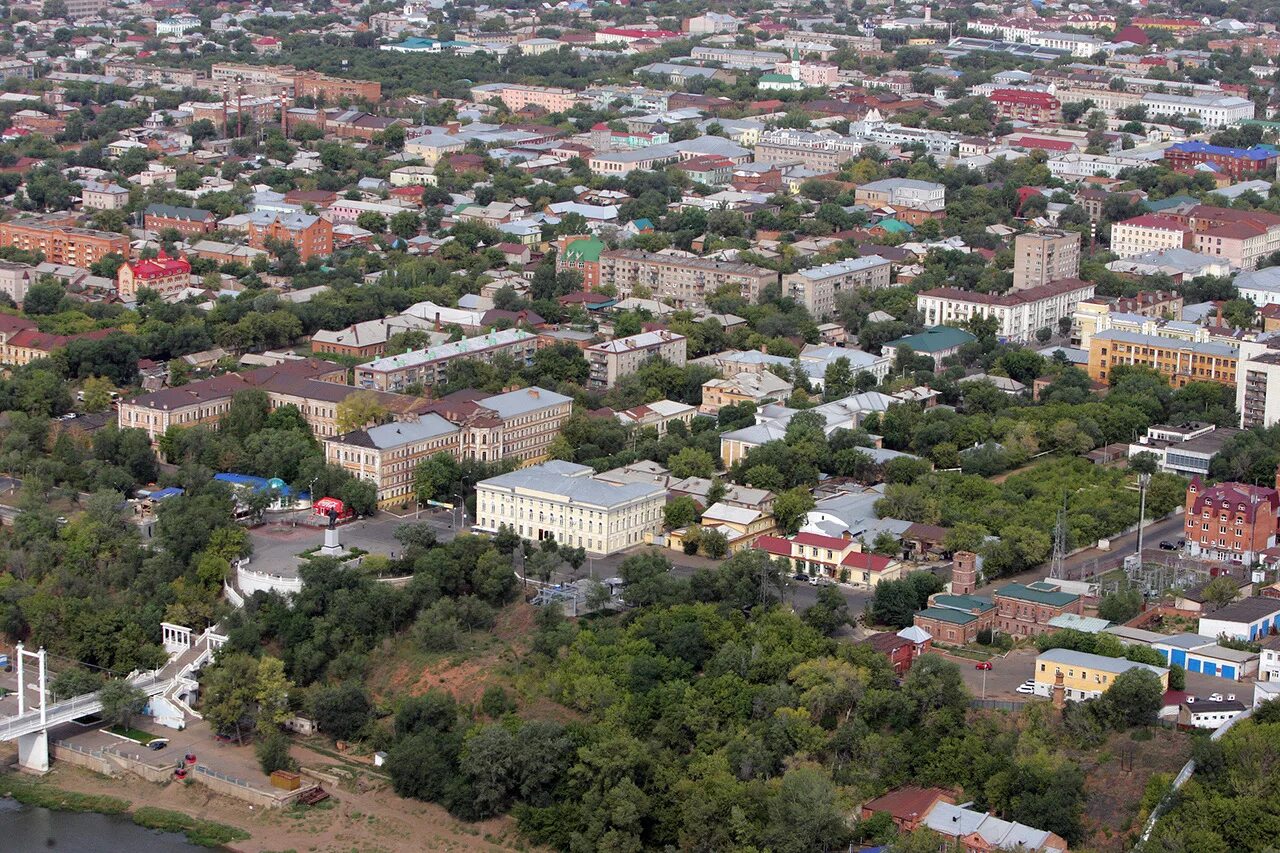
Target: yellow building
{"points": [[1085, 676], [1180, 361]]}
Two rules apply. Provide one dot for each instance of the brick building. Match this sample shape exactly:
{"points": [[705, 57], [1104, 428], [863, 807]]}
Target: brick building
{"points": [[310, 235], [332, 89], [1230, 522], [1023, 610], [1238, 164], [163, 274], [62, 243], [185, 220], [1024, 105]]}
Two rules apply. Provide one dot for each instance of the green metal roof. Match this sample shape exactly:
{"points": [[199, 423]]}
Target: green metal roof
{"points": [[1039, 596], [934, 340], [585, 250], [942, 614], [963, 602]]}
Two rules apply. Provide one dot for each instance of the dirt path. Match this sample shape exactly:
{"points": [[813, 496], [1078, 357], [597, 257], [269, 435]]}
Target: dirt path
{"points": [[375, 821]]}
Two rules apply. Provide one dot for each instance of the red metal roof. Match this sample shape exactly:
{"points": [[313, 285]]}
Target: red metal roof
{"points": [[1022, 96], [1152, 221]]}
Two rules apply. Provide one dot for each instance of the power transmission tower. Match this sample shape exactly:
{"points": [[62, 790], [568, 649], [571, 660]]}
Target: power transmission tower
{"points": [[1057, 569]]}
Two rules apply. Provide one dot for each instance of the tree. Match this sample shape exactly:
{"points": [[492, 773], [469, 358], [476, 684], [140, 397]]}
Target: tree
{"points": [[273, 752], [1144, 463], [895, 603], [1220, 592], [713, 544], [359, 410], [886, 544], [97, 394], [829, 612], [405, 224], [692, 462], [372, 221], [341, 711], [43, 297], [1133, 699], [121, 701], [680, 512], [838, 380], [790, 509], [1121, 605]]}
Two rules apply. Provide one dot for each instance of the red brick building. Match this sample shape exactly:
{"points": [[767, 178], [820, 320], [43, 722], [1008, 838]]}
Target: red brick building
{"points": [[1025, 610], [185, 220], [61, 243], [1239, 164], [1230, 522], [901, 648], [163, 274], [1027, 105], [310, 235]]}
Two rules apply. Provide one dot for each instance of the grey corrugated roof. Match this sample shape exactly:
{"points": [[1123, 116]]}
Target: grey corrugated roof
{"points": [[523, 400], [574, 487]]}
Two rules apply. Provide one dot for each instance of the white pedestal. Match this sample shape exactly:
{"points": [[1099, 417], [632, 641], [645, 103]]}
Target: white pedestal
{"points": [[331, 548]]}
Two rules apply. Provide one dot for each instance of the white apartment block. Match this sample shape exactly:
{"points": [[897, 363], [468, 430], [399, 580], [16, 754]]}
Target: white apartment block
{"points": [[567, 503], [1020, 313], [817, 287], [1210, 110], [759, 60], [1076, 164], [1143, 234], [612, 360], [1079, 45]]}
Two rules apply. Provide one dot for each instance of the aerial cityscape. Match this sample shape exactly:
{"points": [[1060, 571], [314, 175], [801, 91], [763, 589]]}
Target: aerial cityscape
{"points": [[821, 425]]}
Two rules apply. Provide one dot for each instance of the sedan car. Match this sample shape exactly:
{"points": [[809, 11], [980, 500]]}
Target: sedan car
{"points": [[157, 743], [1026, 687], [986, 664]]}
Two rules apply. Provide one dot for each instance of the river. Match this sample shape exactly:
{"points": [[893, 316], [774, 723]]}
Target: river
{"points": [[30, 828]]}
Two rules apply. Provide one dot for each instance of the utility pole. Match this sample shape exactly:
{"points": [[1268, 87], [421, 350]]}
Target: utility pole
{"points": [[1144, 480]]}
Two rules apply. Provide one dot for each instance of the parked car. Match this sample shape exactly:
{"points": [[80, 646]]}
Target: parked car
{"points": [[158, 744], [1026, 687], [986, 665], [800, 576], [1166, 545], [815, 580]]}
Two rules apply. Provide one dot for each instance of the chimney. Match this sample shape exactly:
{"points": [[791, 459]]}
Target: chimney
{"points": [[1059, 691], [452, 127]]}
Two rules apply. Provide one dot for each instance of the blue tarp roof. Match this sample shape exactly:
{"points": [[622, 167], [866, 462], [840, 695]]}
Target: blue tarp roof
{"points": [[161, 494], [259, 484]]}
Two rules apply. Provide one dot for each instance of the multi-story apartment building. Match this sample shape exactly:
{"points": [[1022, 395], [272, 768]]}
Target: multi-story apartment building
{"points": [[1230, 522], [428, 367], [567, 503], [311, 235], [683, 282], [15, 278], [1019, 313], [824, 152], [1239, 164], [1094, 315], [1027, 105], [1258, 236], [162, 274], [517, 96], [1044, 256], [96, 196], [62, 243], [187, 221], [1025, 610], [1148, 233], [226, 76], [612, 360], [817, 287], [914, 201], [1179, 361], [1258, 387]]}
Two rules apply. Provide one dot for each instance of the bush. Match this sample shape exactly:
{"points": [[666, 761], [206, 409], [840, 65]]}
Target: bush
{"points": [[496, 703], [205, 833], [273, 752]]}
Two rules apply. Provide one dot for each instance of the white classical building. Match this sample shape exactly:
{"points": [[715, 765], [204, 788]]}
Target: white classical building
{"points": [[1020, 313], [1209, 110], [568, 503]]}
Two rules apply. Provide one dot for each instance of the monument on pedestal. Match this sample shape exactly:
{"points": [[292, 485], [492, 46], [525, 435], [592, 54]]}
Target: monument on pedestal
{"points": [[331, 548]]}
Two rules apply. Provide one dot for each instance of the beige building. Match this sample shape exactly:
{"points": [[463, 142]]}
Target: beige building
{"points": [[519, 425], [1148, 233], [1019, 314], [517, 96], [816, 288], [745, 387], [1045, 256], [612, 360], [681, 282], [567, 503], [659, 415]]}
